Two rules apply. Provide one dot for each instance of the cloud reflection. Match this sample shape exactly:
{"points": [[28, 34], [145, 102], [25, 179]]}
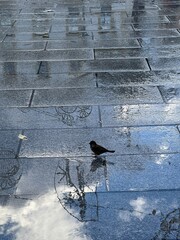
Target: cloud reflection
{"points": [[141, 207], [40, 218]]}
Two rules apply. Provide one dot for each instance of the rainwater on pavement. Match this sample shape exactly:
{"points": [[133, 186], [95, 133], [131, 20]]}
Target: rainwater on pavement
{"points": [[73, 71]]}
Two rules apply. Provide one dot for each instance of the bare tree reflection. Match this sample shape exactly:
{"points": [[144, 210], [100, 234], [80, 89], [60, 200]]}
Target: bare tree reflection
{"points": [[169, 226], [10, 173], [74, 193], [76, 186]]}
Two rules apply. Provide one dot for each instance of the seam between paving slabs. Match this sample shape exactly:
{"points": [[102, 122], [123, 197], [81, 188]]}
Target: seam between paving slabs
{"points": [[163, 97], [178, 128], [98, 127], [91, 156], [174, 126], [31, 98]]}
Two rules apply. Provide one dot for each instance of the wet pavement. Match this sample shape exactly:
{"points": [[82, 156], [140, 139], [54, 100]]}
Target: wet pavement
{"points": [[76, 71]]}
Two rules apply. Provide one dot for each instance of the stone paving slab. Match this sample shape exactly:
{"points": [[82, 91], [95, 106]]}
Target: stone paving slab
{"points": [[90, 27], [7, 21], [171, 94], [10, 173], [65, 9], [136, 216], [3, 29], [108, 174], [34, 16], [139, 215], [22, 46], [148, 25], [39, 173], [174, 18], [27, 36], [159, 12], [13, 98], [136, 34], [115, 43], [52, 117], [164, 63], [44, 81], [171, 5], [68, 142], [3, 200], [74, 44], [14, 68], [39, 24], [2, 36], [160, 42], [136, 53], [145, 19], [122, 173], [141, 114], [154, 78], [79, 54], [135, 173], [143, 213], [28, 28], [96, 96], [36, 36], [128, 102], [94, 66], [9, 144]]}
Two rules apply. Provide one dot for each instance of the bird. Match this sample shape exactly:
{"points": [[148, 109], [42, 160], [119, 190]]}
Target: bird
{"points": [[98, 149]]}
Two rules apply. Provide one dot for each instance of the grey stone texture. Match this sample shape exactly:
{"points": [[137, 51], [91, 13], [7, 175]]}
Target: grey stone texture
{"points": [[94, 65], [74, 71], [135, 140], [94, 96]]}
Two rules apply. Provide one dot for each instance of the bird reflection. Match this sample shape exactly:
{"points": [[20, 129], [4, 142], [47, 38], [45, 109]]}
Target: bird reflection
{"points": [[97, 163], [100, 162]]}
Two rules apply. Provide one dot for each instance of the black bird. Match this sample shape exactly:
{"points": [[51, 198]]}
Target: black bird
{"points": [[97, 149]]}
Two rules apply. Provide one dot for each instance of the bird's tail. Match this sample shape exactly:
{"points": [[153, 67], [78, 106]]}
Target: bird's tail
{"points": [[112, 151]]}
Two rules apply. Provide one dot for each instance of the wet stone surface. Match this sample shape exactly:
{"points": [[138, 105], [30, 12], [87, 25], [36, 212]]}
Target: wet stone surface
{"points": [[99, 171], [171, 94], [136, 34], [36, 36], [32, 81], [142, 114], [94, 66], [74, 71], [9, 143], [52, 117], [136, 53], [15, 68], [20, 46], [114, 43], [168, 25], [10, 56], [94, 96], [67, 142], [164, 63], [160, 42], [15, 98], [154, 78]]}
